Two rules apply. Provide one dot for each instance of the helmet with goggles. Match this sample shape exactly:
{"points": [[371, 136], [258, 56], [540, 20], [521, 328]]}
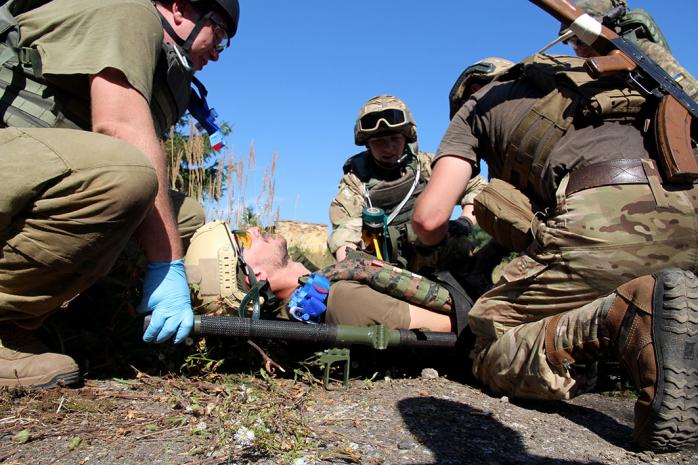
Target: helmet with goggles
{"points": [[382, 115], [216, 270], [481, 72]]}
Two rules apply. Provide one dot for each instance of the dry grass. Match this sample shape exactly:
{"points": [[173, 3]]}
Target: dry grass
{"points": [[226, 185]]}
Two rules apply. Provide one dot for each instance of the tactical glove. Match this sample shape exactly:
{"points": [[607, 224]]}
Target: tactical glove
{"points": [[166, 294], [460, 227]]}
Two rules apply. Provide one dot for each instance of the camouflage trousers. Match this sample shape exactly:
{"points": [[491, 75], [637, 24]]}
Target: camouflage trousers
{"points": [[596, 240], [70, 202]]}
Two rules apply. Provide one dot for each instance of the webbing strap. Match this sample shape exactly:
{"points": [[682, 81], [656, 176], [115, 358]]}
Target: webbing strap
{"points": [[534, 137], [6, 54]]}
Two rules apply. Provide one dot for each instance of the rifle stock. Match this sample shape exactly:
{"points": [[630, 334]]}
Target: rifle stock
{"points": [[676, 112]]}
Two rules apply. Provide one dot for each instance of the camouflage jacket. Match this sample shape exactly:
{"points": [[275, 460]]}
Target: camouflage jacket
{"points": [[346, 207], [666, 60]]}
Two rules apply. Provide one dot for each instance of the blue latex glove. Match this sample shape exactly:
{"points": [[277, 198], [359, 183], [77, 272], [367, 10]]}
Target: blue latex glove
{"points": [[166, 294]]}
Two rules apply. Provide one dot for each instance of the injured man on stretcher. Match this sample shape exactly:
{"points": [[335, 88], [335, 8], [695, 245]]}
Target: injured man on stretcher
{"points": [[224, 266]]}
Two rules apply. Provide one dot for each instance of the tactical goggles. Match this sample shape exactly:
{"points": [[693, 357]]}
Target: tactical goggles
{"points": [[392, 118], [470, 72]]}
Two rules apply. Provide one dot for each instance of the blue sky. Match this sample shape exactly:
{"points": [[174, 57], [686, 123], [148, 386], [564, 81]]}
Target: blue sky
{"points": [[296, 74]]}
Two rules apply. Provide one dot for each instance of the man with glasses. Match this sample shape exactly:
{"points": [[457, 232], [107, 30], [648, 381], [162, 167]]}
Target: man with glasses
{"points": [[87, 89], [389, 175]]}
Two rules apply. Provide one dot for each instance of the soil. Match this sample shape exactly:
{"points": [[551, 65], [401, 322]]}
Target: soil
{"points": [[259, 418]]}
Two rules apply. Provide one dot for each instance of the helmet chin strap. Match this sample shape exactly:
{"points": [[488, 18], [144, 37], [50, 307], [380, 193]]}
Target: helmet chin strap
{"points": [[399, 163], [185, 43]]}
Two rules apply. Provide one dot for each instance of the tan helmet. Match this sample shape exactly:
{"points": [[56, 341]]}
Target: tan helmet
{"points": [[384, 114], [215, 270], [482, 72]]}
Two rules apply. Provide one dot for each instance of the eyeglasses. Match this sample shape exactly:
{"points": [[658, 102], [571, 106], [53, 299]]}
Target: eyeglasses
{"points": [[219, 34], [391, 118]]}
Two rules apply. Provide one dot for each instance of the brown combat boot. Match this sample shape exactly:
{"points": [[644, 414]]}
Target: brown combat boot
{"points": [[651, 327], [25, 361]]}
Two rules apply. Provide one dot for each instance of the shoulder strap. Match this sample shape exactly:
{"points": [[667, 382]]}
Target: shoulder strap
{"points": [[359, 165]]}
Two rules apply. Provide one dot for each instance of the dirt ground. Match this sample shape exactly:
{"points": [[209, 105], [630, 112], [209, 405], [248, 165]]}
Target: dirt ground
{"points": [[257, 418]]}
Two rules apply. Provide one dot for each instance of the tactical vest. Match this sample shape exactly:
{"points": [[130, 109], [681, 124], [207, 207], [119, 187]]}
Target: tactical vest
{"points": [[27, 99], [570, 95], [395, 196]]}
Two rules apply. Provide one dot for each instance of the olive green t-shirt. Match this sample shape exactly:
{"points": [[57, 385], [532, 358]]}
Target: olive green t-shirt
{"points": [[483, 127], [80, 38]]}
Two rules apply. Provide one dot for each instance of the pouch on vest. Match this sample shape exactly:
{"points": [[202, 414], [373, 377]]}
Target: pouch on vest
{"points": [[506, 214]]}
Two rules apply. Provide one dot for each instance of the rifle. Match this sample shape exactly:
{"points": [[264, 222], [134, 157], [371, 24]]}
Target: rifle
{"points": [[677, 112]]}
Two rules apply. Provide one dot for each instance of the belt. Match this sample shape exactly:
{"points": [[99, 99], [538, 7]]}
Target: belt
{"points": [[607, 173]]}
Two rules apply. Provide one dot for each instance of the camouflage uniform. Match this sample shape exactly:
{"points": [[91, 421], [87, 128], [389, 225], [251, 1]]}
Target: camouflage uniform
{"points": [[346, 207], [588, 242]]}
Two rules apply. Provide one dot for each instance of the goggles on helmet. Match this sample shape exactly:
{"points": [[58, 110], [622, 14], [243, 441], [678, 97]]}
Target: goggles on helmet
{"points": [[392, 118], [475, 69]]}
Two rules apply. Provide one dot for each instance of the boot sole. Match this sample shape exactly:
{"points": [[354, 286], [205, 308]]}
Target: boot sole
{"points": [[61, 379], [64, 379], [673, 423]]}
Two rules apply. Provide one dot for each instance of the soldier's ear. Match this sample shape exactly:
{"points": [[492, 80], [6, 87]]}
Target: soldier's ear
{"points": [[178, 9]]}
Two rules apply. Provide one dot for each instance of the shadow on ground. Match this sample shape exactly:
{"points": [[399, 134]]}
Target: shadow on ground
{"points": [[457, 434]]}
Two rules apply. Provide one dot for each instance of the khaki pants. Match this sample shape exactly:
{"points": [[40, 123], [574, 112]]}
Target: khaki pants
{"points": [[351, 303], [597, 239], [69, 203]]}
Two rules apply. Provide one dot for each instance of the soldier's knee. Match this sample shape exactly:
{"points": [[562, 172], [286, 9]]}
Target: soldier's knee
{"points": [[189, 213]]}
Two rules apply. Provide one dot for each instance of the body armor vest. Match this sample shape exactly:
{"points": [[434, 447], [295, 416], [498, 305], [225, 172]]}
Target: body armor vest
{"points": [[27, 99], [570, 95], [393, 187], [395, 192]]}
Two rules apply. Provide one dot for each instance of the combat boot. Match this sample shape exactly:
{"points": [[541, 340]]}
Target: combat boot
{"points": [[26, 361], [650, 325]]}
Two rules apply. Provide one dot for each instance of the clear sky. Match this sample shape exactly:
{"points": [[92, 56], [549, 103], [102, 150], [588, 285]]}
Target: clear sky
{"points": [[297, 72]]}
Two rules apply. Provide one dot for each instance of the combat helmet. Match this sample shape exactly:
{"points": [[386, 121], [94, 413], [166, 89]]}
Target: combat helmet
{"points": [[616, 15], [599, 8], [384, 114], [481, 72], [230, 8], [215, 269]]}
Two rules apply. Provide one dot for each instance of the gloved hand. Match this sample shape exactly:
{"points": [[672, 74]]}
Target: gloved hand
{"points": [[460, 227], [166, 294]]}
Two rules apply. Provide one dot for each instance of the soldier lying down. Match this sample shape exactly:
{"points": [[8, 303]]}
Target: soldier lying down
{"points": [[223, 266]]}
